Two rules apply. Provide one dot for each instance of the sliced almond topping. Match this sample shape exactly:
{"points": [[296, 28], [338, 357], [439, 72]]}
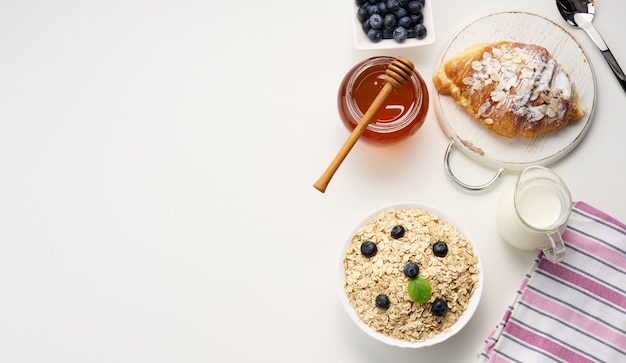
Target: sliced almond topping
{"points": [[497, 95], [526, 73], [554, 104], [477, 66], [512, 67], [483, 108]]}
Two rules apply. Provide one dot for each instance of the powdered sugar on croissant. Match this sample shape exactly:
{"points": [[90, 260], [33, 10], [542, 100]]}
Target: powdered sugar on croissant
{"points": [[514, 89]]}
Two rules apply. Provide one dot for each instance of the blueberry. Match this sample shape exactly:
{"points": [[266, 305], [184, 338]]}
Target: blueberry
{"points": [[382, 7], [397, 231], [411, 270], [440, 249], [400, 13], [393, 5], [375, 35], [362, 14], [439, 307], [368, 248], [376, 21], [400, 34], [390, 21], [373, 9], [417, 19], [388, 33], [382, 301], [366, 26], [360, 2], [415, 7], [420, 31], [405, 22]]}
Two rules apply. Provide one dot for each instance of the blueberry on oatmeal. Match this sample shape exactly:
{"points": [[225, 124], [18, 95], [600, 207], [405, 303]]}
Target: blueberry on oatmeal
{"points": [[382, 301], [397, 231], [411, 270], [439, 307], [440, 249], [368, 248]]}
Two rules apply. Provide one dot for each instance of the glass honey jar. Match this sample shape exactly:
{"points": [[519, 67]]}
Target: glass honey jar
{"points": [[404, 111]]}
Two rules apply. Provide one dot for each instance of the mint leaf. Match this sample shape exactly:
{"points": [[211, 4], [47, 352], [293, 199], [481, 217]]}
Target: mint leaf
{"points": [[419, 290]]}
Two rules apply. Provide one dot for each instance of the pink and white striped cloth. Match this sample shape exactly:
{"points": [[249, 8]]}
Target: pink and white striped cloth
{"points": [[574, 311]]}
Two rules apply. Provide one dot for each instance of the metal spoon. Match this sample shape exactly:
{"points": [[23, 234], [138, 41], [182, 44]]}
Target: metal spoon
{"points": [[579, 13]]}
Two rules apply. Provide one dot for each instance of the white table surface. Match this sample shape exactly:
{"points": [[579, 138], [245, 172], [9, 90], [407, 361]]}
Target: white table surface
{"points": [[157, 161]]}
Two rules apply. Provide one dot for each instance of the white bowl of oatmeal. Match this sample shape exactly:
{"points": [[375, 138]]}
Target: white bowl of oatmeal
{"points": [[409, 275]]}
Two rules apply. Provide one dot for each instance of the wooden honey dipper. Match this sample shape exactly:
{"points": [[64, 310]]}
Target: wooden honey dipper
{"points": [[396, 75]]}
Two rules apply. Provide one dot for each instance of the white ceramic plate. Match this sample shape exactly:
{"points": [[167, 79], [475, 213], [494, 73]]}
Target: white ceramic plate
{"points": [[362, 42], [456, 327], [517, 153]]}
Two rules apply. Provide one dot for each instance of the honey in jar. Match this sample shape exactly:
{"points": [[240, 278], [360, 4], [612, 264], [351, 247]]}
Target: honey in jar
{"points": [[402, 114]]}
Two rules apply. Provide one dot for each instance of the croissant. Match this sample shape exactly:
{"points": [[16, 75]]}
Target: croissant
{"points": [[513, 89]]}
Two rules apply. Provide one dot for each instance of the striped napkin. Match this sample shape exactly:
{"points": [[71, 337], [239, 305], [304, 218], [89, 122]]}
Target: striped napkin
{"points": [[573, 311]]}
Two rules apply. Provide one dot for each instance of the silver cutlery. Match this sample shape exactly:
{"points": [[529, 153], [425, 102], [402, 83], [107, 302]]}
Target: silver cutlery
{"points": [[579, 13]]}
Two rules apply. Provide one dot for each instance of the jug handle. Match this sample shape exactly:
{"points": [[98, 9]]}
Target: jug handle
{"points": [[555, 251], [446, 165]]}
